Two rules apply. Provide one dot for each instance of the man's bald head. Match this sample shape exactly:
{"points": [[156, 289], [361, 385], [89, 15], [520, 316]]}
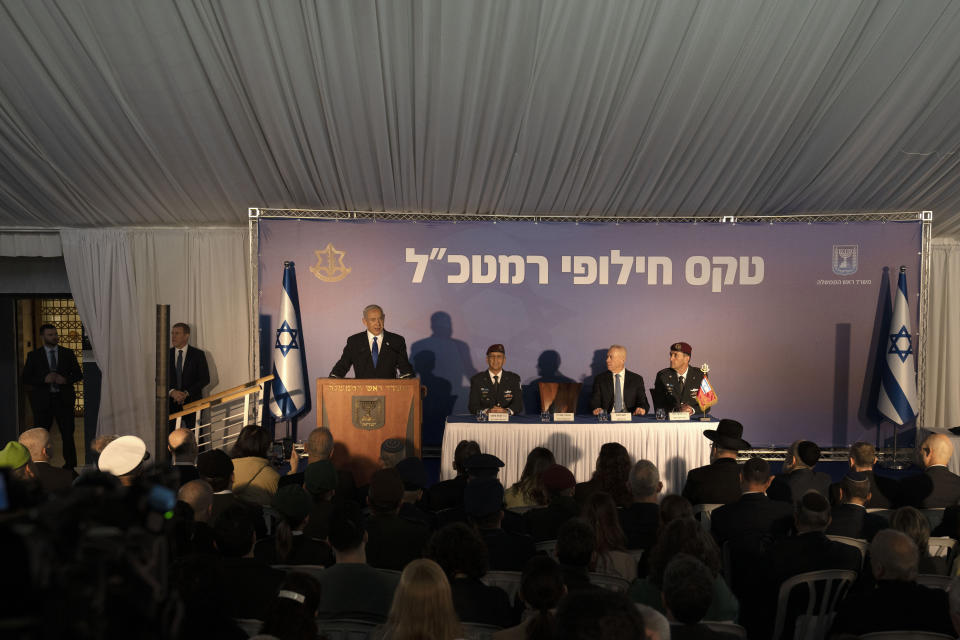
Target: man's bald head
{"points": [[894, 556], [183, 445], [37, 442], [199, 495], [936, 450], [319, 444]]}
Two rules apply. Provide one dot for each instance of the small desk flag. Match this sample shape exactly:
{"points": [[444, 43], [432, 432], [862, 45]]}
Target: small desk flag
{"points": [[898, 391], [288, 396], [706, 396]]}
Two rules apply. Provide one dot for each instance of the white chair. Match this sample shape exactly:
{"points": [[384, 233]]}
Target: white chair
{"points": [[934, 581], [612, 583], [636, 553], [824, 590], [509, 581], [702, 512], [859, 543], [941, 547]]}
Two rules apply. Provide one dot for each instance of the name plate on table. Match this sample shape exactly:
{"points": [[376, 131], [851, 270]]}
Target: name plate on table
{"points": [[679, 415], [563, 417], [498, 417], [621, 416]]}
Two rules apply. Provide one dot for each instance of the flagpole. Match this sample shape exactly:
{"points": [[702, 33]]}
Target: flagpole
{"points": [[897, 401]]}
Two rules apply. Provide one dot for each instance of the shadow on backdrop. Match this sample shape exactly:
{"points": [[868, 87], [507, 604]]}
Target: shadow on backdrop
{"points": [[439, 401], [597, 366], [548, 368]]}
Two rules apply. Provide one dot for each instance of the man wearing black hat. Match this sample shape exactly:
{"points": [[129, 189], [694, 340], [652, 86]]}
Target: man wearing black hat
{"points": [[675, 388], [798, 475], [618, 389], [216, 467], [496, 390], [719, 481]]}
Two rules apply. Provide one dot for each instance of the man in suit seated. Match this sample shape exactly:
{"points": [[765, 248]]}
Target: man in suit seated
{"points": [[798, 475], [618, 389], [642, 518], [936, 487], [675, 388], [448, 494], [374, 353], [495, 390], [897, 603], [718, 482], [850, 518], [52, 479], [883, 490]]}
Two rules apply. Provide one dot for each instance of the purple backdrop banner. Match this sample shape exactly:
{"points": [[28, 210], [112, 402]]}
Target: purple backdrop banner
{"points": [[787, 315]]}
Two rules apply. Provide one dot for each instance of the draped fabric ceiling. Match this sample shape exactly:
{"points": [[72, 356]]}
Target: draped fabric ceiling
{"points": [[189, 112]]}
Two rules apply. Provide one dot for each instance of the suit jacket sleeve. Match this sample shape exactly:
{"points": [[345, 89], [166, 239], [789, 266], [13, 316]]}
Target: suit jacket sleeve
{"points": [[516, 405], [35, 369], [404, 368], [342, 365], [475, 404], [663, 396], [68, 367], [200, 377], [638, 395], [596, 399]]}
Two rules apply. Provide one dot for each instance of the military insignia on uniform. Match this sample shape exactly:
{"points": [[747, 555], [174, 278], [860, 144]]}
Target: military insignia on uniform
{"points": [[330, 267], [846, 259], [369, 412]]}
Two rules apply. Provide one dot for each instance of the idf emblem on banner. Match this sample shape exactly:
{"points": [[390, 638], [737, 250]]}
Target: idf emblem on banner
{"points": [[289, 395], [706, 396]]}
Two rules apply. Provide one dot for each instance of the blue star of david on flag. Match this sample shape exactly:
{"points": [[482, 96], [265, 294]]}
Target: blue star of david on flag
{"points": [[895, 338], [285, 328]]}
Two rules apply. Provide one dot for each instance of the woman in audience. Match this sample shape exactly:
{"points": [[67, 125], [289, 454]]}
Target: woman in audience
{"points": [[611, 476], [913, 523], [289, 544], [672, 507], [293, 613], [612, 557], [422, 605], [541, 588], [686, 535], [460, 551], [528, 491], [254, 480]]}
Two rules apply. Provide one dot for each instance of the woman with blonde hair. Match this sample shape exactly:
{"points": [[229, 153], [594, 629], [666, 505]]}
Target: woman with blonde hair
{"points": [[422, 605], [528, 491], [612, 557]]}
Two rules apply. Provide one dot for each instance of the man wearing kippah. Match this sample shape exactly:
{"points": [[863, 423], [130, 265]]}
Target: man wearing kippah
{"points": [[495, 390], [676, 386]]}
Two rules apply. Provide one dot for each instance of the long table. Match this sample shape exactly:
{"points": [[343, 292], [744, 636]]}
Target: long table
{"points": [[675, 447]]}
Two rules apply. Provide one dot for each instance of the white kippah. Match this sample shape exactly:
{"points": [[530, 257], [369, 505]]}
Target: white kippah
{"points": [[292, 595]]}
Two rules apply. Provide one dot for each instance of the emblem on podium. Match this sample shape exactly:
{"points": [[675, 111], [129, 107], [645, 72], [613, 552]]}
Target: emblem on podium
{"points": [[330, 267], [369, 412]]}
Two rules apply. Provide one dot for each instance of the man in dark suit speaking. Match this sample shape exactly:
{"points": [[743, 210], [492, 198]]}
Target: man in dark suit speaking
{"points": [[187, 373], [51, 371], [617, 389], [374, 353]]}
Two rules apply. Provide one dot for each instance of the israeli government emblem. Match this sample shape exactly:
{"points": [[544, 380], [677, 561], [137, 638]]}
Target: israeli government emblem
{"points": [[369, 412], [330, 267], [846, 259]]}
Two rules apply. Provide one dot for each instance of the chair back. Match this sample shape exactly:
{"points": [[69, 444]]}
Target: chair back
{"points": [[934, 581], [731, 628], [824, 590], [933, 516], [559, 397], [941, 547], [859, 543], [612, 583], [702, 513], [346, 629], [250, 626], [904, 635], [509, 581]]}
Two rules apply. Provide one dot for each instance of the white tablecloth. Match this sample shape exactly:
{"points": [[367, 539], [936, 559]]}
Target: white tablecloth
{"points": [[675, 447]]}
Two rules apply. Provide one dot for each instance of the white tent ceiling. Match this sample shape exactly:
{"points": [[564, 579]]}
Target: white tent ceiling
{"points": [[187, 113]]}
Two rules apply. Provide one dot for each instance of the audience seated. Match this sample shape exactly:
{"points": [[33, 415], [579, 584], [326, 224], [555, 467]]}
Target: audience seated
{"points": [[392, 541], [529, 491], [937, 486], [685, 535], [913, 523], [576, 550], [255, 480], [657, 625], [598, 614], [611, 555], [673, 507], [195, 534], [449, 493], [718, 482], [216, 467], [798, 475], [850, 518], [16, 458], [883, 490], [206, 613], [544, 523], [124, 458], [292, 614], [687, 595], [483, 502], [610, 476], [541, 587], [351, 588], [423, 606], [289, 544], [249, 584], [414, 478], [319, 446], [641, 518], [52, 479], [897, 603], [460, 551], [320, 480], [182, 447]]}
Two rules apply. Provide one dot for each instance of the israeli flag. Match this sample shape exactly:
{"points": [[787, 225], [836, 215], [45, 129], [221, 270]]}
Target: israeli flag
{"points": [[289, 396], [898, 392]]}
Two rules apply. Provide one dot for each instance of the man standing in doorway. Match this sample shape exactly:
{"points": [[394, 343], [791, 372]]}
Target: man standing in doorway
{"points": [[187, 373], [52, 371]]}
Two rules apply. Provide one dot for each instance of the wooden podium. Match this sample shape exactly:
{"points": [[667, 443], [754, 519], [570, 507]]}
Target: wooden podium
{"points": [[361, 414]]}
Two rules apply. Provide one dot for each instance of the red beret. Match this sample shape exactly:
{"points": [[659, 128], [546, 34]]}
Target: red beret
{"points": [[682, 347], [495, 348], [557, 478]]}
